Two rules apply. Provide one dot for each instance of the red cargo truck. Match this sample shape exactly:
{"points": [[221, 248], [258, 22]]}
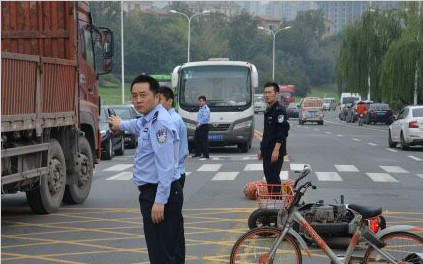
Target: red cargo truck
{"points": [[287, 94], [51, 58]]}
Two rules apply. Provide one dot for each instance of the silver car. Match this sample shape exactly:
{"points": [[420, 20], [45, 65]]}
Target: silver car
{"points": [[407, 129], [259, 103]]}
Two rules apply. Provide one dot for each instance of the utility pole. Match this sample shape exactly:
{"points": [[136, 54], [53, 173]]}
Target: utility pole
{"points": [[416, 73]]}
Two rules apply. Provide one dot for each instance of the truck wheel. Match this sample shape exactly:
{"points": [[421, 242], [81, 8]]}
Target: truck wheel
{"points": [[121, 150], [243, 147], [47, 197], [78, 191]]}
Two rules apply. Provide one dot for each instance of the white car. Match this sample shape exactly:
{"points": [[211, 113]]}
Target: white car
{"points": [[407, 129], [259, 103]]}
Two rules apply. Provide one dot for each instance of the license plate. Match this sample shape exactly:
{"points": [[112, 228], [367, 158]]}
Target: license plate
{"points": [[312, 114], [380, 114], [217, 137]]}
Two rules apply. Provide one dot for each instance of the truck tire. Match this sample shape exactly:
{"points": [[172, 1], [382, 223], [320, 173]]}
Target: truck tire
{"points": [[47, 197], [108, 152], [78, 191], [121, 150]]}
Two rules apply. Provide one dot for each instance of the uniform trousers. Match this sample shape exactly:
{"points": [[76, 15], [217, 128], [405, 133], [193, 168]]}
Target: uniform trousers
{"points": [[162, 238], [180, 247], [272, 171], [201, 138]]}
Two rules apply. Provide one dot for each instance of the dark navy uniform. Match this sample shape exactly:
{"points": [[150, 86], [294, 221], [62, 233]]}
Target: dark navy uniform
{"points": [[276, 129]]}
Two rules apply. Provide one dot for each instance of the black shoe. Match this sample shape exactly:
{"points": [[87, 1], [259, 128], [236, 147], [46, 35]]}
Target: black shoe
{"points": [[195, 156]]}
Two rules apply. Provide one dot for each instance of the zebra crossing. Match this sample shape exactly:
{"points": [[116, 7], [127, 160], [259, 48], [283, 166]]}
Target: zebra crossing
{"points": [[219, 172]]}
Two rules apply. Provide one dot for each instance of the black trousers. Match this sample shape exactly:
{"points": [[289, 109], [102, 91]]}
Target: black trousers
{"points": [[162, 238], [201, 138], [180, 247], [272, 171]]}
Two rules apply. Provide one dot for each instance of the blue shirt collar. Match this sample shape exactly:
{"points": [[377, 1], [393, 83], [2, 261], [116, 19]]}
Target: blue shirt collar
{"points": [[204, 106], [148, 117], [172, 110]]}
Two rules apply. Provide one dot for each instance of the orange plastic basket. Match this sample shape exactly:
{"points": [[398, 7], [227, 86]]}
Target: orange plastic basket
{"points": [[275, 196]]}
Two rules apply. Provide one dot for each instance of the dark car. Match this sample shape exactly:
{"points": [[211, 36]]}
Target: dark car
{"points": [[111, 143], [127, 112], [293, 110], [378, 113]]}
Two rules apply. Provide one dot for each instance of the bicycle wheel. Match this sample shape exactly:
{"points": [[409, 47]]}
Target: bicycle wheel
{"points": [[254, 246], [400, 245]]}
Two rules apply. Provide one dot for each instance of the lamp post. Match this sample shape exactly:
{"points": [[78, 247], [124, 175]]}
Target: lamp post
{"points": [[274, 40], [189, 25]]}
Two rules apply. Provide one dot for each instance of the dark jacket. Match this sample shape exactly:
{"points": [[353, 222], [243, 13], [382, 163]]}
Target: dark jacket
{"points": [[276, 129]]}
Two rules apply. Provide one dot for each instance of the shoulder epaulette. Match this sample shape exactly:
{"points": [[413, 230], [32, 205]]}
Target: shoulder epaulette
{"points": [[156, 114]]}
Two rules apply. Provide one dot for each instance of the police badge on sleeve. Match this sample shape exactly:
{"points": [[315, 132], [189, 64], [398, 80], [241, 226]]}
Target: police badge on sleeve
{"points": [[161, 135], [281, 118]]}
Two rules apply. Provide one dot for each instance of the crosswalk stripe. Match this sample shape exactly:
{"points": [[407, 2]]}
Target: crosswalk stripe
{"points": [[420, 175], [284, 175], [253, 167], [391, 150], [346, 168], [328, 176], [372, 144], [119, 167], [327, 132], [225, 176], [339, 135], [297, 167], [356, 139], [381, 177], [415, 158], [210, 167], [123, 176], [187, 173], [393, 169]]}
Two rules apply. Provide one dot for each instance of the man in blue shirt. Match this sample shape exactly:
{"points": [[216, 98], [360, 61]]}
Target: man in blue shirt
{"points": [[167, 99], [201, 136], [155, 169]]}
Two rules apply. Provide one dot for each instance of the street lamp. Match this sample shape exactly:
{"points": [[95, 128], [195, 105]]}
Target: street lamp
{"points": [[274, 38], [189, 25]]}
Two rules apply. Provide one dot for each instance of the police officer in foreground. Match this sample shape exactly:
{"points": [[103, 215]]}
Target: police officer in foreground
{"points": [[155, 170], [275, 133], [167, 99]]}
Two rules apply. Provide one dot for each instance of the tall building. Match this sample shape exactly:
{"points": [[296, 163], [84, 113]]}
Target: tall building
{"points": [[287, 10], [252, 7], [343, 13], [228, 8]]}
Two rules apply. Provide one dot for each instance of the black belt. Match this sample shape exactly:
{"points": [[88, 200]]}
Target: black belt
{"points": [[145, 187]]}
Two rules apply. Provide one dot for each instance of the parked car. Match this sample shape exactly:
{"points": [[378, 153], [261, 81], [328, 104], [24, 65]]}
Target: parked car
{"points": [[311, 110], [329, 104], [111, 143], [378, 113], [293, 110], [407, 129], [352, 114], [259, 103], [127, 112]]}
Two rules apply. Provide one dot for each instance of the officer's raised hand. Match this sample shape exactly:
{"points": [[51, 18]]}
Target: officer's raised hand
{"points": [[157, 213], [275, 153], [114, 122]]}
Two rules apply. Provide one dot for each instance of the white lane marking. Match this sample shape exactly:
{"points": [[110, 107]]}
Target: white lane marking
{"points": [[393, 169], [225, 176], [316, 129], [210, 167], [298, 126], [346, 168], [391, 150], [187, 173], [372, 144], [381, 177], [327, 132], [339, 135], [357, 127], [356, 139], [328, 176], [297, 167], [284, 175], [420, 175], [415, 158], [119, 167], [123, 176], [213, 159], [253, 167]]}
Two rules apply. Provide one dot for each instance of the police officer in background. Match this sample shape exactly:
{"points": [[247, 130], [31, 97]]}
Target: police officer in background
{"points": [[275, 133], [167, 99], [201, 136], [155, 170]]}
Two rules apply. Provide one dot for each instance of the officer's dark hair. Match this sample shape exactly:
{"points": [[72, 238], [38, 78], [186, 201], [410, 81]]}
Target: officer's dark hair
{"points": [[154, 84], [275, 86], [202, 97], [167, 92]]}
